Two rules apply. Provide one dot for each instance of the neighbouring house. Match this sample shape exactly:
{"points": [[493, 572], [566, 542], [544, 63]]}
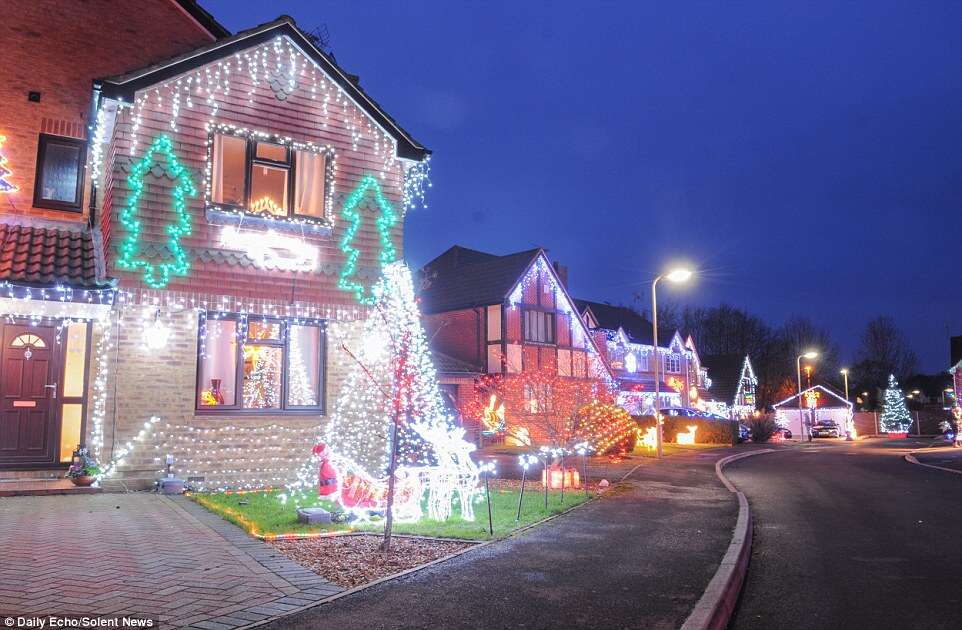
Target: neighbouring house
{"points": [[733, 384], [818, 403], [56, 289], [504, 331], [234, 199], [629, 348]]}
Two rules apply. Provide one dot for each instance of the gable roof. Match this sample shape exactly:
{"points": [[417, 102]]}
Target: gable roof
{"points": [[125, 86], [612, 317], [725, 372], [464, 278], [791, 400]]}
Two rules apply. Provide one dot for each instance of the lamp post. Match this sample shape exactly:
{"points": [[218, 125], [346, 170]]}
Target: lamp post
{"points": [[798, 371], [844, 372], [676, 275]]}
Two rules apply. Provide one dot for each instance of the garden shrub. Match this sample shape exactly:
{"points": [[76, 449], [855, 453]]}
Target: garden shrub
{"points": [[763, 428], [709, 431], [608, 428]]}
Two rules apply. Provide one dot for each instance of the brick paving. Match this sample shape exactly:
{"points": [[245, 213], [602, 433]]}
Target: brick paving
{"points": [[143, 554]]}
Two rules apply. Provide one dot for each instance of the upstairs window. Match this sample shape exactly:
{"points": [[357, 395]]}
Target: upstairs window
{"points": [[539, 326], [673, 363], [60, 173], [267, 179]]}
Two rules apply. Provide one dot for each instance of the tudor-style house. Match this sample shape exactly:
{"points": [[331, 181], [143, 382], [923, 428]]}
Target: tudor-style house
{"points": [[629, 348], [505, 331], [733, 383], [239, 196]]}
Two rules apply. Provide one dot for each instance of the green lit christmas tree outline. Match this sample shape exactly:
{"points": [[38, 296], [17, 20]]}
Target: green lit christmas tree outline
{"points": [[5, 185], [385, 222], [131, 257]]}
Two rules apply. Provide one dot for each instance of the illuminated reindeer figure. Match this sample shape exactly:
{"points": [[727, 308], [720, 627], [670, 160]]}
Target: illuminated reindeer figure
{"points": [[454, 472]]}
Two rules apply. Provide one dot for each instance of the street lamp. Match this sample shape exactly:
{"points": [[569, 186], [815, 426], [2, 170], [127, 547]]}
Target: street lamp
{"points": [[680, 274], [844, 372], [811, 354]]}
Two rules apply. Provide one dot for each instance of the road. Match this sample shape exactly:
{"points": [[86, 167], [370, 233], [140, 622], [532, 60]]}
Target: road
{"points": [[851, 536], [637, 558]]}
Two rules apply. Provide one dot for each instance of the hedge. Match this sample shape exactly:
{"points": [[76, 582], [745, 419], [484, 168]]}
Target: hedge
{"points": [[709, 431]]}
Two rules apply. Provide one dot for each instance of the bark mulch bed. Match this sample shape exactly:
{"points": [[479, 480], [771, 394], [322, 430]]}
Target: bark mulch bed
{"points": [[350, 561]]}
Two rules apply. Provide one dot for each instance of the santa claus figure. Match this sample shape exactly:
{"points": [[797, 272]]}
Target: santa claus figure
{"points": [[326, 475]]}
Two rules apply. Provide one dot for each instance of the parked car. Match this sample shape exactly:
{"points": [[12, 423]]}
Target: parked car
{"points": [[826, 428], [785, 432], [680, 411]]}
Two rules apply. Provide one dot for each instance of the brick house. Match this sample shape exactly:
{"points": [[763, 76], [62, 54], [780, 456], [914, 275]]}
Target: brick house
{"points": [[238, 194], [628, 346], [506, 326]]}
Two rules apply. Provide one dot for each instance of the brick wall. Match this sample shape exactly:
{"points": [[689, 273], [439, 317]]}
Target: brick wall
{"points": [[58, 48], [257, 106], [236, 451], [456, 334]]}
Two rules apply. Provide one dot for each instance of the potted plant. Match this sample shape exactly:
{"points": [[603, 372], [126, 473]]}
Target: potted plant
{"points": [[83, 468]]}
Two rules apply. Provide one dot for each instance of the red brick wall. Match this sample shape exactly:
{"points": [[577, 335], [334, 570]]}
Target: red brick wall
{"points": [[456, 334], [58, 48], [254, 105]]}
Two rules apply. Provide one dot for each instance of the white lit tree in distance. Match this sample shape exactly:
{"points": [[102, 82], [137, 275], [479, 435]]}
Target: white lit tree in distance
{"points": [[391, 390], [895, 416]]}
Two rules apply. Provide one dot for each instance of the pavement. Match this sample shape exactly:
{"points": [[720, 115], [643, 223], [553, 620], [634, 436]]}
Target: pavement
{"points": [[940, 454], [850, 535], [639, 557], [145, 555]]}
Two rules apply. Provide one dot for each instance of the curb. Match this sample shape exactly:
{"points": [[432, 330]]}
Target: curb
{"points": [[717, 604], [910, 458]]}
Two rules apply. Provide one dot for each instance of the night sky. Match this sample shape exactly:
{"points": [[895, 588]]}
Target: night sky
{"points": [[807, 157]]}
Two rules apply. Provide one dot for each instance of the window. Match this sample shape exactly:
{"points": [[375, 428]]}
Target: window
{"points": [[539, 327], [60, 173], [673, 363], [265, 366], [537, 397], [268, 179]]}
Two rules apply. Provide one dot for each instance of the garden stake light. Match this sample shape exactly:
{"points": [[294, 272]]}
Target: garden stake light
{"points": [[561, 453], [545, 451], [487, 469], [525, 461]]}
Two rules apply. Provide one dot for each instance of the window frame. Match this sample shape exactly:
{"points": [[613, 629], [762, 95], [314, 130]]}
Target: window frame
{"points": [[251, 161], [52, 204], [284, 344], [547, 313]]}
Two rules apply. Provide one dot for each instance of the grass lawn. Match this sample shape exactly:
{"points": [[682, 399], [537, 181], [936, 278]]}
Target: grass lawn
{"points": [[263, 513]]}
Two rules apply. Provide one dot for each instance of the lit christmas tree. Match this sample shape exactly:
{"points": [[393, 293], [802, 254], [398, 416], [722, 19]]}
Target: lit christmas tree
{"points": [[391, 393], [5, 185], [895, 416]]}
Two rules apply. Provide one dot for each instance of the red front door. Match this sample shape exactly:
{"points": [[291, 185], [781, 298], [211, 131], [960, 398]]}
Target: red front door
{"points": [[28, 389]]}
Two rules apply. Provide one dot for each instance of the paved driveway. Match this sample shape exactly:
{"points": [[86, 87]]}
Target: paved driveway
{"points": [[142, 554]]}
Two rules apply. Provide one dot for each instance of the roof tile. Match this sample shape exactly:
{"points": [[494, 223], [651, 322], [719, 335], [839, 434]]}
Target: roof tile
{"points": [[37, 255]]}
